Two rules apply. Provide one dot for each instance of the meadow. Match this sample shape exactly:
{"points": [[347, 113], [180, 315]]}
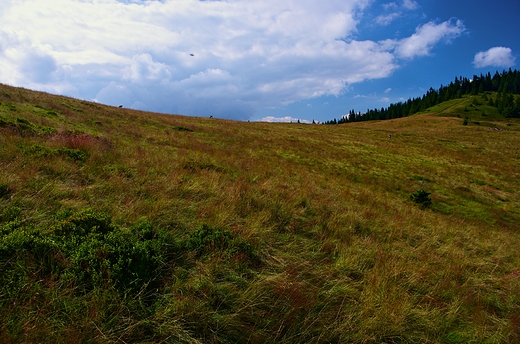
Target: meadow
{"points": [[121, 226]]}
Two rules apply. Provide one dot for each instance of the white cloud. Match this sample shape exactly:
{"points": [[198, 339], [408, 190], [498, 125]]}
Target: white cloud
{"points": [[426, 37], [225, 58], [388, 90], [143, 69], [496, 57], [410, 5], [286, 119], [395, 11], [390, 6], [386, 19]]}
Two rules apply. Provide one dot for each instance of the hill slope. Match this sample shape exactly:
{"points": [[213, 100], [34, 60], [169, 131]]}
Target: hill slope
{"points": [[118, 225]]}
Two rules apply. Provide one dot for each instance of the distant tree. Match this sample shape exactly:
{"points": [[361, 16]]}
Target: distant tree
{"points": [[495, 82], [503, 83], [507, 105]]}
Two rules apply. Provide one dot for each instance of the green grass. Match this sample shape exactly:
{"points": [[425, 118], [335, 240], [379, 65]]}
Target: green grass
{"points": [[124, 226]]}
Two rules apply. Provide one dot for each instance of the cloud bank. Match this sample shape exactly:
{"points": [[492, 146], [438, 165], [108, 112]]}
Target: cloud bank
{"points": [[201, 58], [286, 119], [495, 57]]}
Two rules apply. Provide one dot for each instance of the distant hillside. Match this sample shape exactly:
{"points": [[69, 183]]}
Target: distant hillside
{"points": [[121, 226], [500, 90]]}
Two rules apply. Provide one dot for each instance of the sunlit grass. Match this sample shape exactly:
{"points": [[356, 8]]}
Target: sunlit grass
{"points": [[321, 241]]}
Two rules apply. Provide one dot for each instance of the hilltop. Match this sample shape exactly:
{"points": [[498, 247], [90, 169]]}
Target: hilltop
{"points": [[123, 226], [499, 96]]}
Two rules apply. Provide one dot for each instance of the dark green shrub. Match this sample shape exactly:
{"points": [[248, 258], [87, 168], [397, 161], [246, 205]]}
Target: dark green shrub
{"points": [[4, 122], [74, 154], [101, 253], [44, 152], [422, 198], [87, 250], [179, 128], [69, 225], [39, 151], [25, 253], [10, 213], [4, 190], [210, 240]]}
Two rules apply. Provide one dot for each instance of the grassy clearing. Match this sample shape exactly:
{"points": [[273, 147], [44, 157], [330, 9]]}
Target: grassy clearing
{"points": [[118, 225]]}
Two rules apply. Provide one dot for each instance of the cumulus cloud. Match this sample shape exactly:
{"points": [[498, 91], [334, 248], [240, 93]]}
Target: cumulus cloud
{"points": [[426, 37], [33, 63], [496, 57], [220, 58]]}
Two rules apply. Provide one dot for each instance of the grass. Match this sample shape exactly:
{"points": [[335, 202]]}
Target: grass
{"points": [[123, 226]]}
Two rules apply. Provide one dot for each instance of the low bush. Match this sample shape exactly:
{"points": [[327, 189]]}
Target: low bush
{"points": [[179, 128], [89, 251], [10, 213], [208, 240], [422, 198], [4, 190], [23, 126], [44, 152], [100, 253]]}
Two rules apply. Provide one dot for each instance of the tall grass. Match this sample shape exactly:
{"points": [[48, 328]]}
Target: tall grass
{"points": [[223, 232]]}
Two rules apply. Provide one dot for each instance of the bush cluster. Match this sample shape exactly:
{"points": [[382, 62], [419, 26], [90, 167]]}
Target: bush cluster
{"points": [[86, 249], [43, 152]]}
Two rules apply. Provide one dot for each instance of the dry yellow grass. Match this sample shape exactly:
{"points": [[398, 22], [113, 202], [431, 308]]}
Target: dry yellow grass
{"points": [[344, 255]]}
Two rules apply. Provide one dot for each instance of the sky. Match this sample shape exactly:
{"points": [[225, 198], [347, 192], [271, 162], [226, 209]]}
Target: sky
{"points": [[258, 60]]}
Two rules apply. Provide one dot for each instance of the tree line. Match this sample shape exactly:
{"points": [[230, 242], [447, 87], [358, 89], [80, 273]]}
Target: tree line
{"points": [[506, 84]]}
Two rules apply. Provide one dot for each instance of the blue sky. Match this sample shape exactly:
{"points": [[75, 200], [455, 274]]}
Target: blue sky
{"points": [[253, 60]]}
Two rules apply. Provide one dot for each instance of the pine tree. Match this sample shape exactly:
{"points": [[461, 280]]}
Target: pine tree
{"points": [[496, 81], [505, 84]]}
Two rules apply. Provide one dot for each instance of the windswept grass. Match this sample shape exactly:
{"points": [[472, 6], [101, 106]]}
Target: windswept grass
{"points": [[123, 226]]}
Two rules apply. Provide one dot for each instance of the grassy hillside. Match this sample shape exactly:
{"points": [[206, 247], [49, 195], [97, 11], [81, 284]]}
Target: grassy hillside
{"points": [[475, 107], [123, 226]]}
